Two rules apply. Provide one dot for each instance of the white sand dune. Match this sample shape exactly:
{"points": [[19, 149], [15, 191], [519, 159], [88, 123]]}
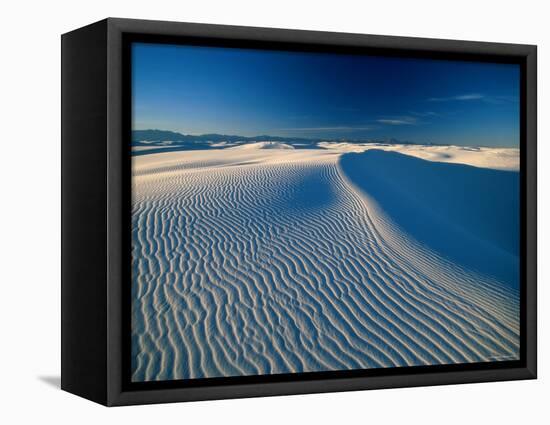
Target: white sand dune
{"points": [[263, 145], [252, 261], [494, 158]]}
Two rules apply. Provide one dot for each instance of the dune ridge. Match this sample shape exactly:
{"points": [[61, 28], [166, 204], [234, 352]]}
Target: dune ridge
{"points": [[262, 261]]}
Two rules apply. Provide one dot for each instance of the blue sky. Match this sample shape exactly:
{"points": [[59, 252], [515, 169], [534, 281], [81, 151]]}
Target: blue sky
{"points": [[198, 90]]}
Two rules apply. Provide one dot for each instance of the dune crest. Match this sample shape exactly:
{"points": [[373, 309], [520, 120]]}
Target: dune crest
{"points": [[466, 214]]}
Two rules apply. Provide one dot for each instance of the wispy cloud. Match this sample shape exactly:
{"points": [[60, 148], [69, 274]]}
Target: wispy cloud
{"points": [[499, 100], [336, 128], [406, 120], [494, 100], [469, 96], [426, 114]]}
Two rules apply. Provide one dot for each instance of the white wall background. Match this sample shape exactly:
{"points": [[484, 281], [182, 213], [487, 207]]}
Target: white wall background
{"points": [[30, 211]]}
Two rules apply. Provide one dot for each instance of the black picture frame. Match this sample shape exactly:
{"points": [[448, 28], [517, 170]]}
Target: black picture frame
{"points": [[96, 113]]}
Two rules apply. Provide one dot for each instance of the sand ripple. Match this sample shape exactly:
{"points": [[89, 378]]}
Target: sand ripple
{"points": [[268, 262]]}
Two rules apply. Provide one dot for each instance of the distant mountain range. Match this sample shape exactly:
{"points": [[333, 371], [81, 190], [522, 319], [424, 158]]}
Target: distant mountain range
{"points": [[169, 140], [171, 136]]}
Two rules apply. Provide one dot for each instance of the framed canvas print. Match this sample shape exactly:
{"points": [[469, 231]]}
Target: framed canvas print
{"points": [[252, 212]]}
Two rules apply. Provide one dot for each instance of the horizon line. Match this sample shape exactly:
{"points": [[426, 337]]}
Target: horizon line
{"points": [[361, 140]]}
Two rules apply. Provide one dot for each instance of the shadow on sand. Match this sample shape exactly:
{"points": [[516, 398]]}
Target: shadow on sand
{"points": [[468, 215]]}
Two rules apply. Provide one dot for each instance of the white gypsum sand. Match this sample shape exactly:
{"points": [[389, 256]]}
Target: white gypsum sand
{"points": [[494, 158], [259, 260]]}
